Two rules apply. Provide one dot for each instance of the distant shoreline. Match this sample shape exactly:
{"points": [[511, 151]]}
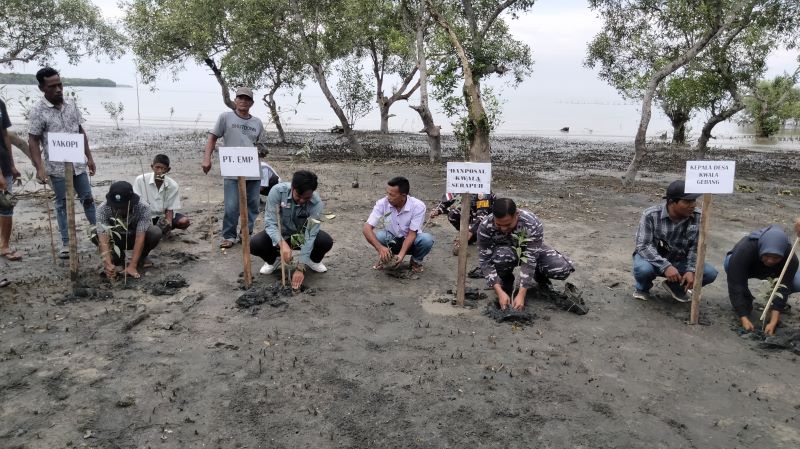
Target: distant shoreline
{"points": [[30, 80]]}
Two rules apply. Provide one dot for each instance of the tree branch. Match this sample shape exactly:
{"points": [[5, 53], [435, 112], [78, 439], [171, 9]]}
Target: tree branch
{"points": [[497, 11]]}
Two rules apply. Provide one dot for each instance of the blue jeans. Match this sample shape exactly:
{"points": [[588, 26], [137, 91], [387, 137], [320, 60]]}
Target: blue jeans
{"points": [[644, 272], [419, 249], [794, 286], [84, 190], [231, 199]]}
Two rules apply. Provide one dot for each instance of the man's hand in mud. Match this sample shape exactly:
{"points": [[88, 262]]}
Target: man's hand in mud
{"points": [[769, 329], [110, 270], [519, 302], [286, 252], [131, 271], [687, 280], [747, 325], [434, 213], [385, 254], [206, 165], [503, 299], [672, 274], [297, 279]]}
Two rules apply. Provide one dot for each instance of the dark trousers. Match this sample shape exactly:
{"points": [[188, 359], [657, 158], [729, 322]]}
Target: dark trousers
{"points": [[261, 245], [454, 217], [125, 241]]}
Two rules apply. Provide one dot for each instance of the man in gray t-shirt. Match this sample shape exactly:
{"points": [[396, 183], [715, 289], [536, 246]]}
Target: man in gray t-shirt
{"points": [[237, 128]]}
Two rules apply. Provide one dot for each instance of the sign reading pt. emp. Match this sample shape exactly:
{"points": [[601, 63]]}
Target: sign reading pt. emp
{"points": [[469, 177], [65, 147], [239, 161], [710, 176]]}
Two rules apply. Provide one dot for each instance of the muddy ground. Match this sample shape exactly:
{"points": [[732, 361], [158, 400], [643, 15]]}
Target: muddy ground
{"points": [[368, 360]]}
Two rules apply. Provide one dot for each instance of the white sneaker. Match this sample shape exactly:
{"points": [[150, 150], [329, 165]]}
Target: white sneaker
{"points": [[267, 268], [319, 267]]}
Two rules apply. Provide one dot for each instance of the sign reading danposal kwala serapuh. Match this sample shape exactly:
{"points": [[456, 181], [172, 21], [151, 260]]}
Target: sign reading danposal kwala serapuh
{"points": [[710, 176], [469, 177], [65, 147], [239, 161]]}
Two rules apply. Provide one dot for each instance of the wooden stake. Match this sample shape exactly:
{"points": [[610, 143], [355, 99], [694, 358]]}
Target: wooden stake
{"points": [[694, 316], [73, 239], [780, 279], [463, 232], [50, 225], [280, 235], [248, 272]]}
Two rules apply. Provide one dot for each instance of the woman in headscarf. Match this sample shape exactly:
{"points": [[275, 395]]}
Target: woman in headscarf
{"points": [[761, 255]]}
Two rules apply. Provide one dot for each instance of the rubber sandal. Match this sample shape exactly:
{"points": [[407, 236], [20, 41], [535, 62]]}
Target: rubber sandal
{"points": [[4, 283], [225, 244], [416, 268], [12, 255]]}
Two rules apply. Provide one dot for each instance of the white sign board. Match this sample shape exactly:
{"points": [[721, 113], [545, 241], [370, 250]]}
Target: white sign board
{"points": [[65, 147], [469, 177], [239, 161], [710, 176]]}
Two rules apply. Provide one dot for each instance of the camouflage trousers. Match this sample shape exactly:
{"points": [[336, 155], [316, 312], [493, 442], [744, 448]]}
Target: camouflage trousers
{"points": [[550, 264], [454, 217]]}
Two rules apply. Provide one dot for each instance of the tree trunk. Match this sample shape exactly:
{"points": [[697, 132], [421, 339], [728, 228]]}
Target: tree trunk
{"points": [[433, 132], [478, 124], [678, 119], [714, 120], [225, 90], [480, 148], [383, 106], [355, 145], [429, 127], [640, 142], [269, 100], [20, 143]]}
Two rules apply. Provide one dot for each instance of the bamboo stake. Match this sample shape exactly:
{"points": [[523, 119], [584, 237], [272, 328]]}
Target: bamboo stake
{"points": [[280, 235], [780, 279], [694, 316], [463, 232], [73, 239], [248, 271]]}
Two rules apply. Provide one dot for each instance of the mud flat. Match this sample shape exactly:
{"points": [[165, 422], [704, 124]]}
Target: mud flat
{"points": [[370, 360]]}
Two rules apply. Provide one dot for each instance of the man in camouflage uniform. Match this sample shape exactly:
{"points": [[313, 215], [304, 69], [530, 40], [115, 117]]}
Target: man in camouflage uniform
{"points": [[481, 206], [509, 238]]}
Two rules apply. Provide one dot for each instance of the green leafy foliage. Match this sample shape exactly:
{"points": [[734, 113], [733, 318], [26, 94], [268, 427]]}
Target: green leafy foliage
{"points": [[354, 90], [114, 230], [35, 31], [772, 104], [114, 111]]}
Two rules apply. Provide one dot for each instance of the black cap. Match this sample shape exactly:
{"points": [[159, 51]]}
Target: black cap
{"points": [[675, 191], [120, 193]]}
